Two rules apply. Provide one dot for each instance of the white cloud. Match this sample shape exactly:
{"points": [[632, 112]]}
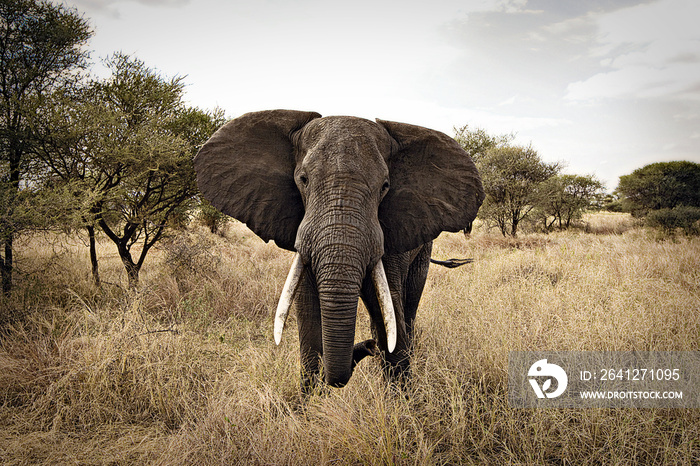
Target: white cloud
{"points": [[92, 5], [111, 7], [512, 6], [634, 82], [646, 51], [517, 99]]}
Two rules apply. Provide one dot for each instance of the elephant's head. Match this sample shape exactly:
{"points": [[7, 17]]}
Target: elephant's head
{"points": [[342, 192]]}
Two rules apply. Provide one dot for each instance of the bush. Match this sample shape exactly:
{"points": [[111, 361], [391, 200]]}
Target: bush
{"points": [[681, 217], [210, 217], [662, 185], [614, 206]]}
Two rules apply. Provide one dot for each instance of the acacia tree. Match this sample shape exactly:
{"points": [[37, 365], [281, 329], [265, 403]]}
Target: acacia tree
{"points": [[146, 171], [511, 176], [563, 198], [125, 147], [476, 142], [40, 50], [73, 132]]}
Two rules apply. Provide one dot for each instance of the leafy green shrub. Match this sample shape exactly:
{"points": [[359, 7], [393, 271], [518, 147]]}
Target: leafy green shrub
{"points": [[662, 185], [211, 217], [614, 206], [684, 217]]}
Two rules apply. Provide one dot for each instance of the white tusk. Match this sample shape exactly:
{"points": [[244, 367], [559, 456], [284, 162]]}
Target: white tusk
{"points": [[287, 297], [384, 297]]}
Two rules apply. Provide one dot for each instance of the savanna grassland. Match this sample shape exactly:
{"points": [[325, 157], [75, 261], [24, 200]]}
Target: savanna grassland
{"points": [[185, 370]]}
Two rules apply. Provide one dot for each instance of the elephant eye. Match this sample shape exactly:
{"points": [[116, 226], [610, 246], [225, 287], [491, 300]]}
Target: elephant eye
{"points": [[385, 187], [304, 180]]}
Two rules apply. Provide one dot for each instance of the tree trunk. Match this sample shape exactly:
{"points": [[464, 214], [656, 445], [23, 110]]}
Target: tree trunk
{"points": [[514, 225], [93, 256], [132, 269], [502, 225], [132, 272], [7, 266], [468, 229]]}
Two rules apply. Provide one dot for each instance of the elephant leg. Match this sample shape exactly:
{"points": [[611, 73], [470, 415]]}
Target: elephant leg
{"points": [[397, 363], [406, 275], [413, 288], [308, 311]]}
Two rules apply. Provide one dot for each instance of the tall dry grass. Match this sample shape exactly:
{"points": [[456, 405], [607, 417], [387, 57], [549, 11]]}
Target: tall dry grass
{"points": [[185, 371]]}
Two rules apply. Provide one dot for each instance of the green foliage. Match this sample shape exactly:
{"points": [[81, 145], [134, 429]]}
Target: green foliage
{"points": [[39, 42], [611, 203], [40, 51], [511, 176], [666, 194], [563, 199], [211, 217], [27, 209], [477, 141], [662, 185], [685, 218], [129, 140]]}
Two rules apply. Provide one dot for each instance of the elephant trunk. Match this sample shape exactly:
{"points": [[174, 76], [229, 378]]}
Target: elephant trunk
{"points": [[338, 316], [383, 296], [340, 240], [339, 279]]}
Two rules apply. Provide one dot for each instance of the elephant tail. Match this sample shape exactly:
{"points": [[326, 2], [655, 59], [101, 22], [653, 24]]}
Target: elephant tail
{"points": [[452, 263]]}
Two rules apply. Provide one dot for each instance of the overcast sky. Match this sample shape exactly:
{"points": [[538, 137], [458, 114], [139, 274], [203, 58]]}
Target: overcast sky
{"points": [[605, 86]]}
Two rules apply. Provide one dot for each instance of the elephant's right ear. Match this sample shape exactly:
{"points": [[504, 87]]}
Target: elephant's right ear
{"points": [[246, 170]]}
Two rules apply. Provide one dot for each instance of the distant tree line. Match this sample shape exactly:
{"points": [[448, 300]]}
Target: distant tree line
{"points": [[520, 186], [110, 155]]}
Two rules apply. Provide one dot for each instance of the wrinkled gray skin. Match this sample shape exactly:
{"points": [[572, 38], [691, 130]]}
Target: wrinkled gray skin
{"points": [[343, 192]]}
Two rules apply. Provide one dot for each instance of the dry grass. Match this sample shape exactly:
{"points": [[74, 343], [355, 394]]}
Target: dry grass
{"points": [[609, 223], [185, 371]]}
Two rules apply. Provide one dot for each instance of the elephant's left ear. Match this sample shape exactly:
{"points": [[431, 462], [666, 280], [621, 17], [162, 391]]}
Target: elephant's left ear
{"points": [[435, 187]]}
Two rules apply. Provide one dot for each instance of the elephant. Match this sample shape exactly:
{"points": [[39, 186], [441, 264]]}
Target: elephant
{"points": [[360, 203]]}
